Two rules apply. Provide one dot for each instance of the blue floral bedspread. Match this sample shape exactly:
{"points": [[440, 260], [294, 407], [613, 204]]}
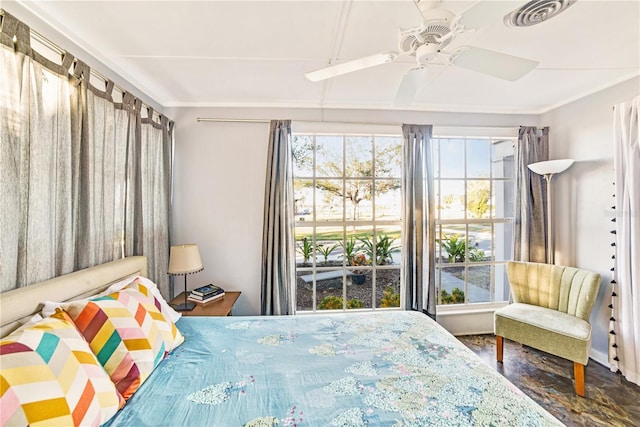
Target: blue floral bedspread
{"points": [[392, 368]]}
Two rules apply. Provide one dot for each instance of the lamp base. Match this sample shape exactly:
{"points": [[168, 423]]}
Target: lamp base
{"points": [[187, 306]]}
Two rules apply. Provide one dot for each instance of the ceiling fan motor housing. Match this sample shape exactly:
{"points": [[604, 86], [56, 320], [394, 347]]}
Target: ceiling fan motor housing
{"points": [[428, 36]]}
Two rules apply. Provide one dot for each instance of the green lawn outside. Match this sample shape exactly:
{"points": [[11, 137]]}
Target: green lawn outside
{"points": [[335, 235]]}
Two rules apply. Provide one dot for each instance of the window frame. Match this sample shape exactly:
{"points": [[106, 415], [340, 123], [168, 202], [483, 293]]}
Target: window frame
{"points": [[373, 224], [466, 221]]}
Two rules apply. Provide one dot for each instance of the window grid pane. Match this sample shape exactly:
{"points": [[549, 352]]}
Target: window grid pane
{"points": [[348, 222], [475, 207]]}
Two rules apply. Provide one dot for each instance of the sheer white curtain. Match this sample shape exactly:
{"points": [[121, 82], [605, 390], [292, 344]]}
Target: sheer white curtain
{"points": [[626, 291]]}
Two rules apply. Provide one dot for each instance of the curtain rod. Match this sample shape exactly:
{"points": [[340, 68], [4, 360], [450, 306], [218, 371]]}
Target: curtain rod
{"points": [[217, 120], [236, 120], [223, 120]]}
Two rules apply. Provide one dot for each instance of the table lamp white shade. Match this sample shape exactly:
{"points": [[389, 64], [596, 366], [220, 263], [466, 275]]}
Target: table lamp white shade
{"points": [[184, 259], [548, 168]]}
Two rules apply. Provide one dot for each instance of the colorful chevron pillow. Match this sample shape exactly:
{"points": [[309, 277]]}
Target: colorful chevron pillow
{"points": [[123, 336], [138, 293], [50, 376], [166, 310]]}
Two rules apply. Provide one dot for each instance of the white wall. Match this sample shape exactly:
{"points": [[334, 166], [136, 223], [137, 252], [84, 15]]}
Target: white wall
{"points": [[583, 130], [217, 202], [220, 177]]}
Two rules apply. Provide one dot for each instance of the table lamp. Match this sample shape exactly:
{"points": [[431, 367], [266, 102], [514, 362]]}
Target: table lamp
{"points": [[184, 260]]}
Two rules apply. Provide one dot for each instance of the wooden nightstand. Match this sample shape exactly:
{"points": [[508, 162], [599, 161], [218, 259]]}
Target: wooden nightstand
{"points": [[219, 307]]}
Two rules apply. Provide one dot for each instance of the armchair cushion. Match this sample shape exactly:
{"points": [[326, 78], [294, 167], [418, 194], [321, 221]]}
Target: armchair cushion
{"points": [[548, 330]]}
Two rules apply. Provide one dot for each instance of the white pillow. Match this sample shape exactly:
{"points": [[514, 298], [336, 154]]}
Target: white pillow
{"points": [[49, 307]]}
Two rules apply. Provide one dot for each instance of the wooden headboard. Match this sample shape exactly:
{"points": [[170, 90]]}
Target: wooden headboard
{"points": [[18, 305]]}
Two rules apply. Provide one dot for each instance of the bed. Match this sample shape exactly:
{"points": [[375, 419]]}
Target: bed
{"points": [[387, 368]]}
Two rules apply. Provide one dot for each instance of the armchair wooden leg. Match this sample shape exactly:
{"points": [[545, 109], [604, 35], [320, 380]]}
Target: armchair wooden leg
{"points": [[578, 373], [498, 348]]}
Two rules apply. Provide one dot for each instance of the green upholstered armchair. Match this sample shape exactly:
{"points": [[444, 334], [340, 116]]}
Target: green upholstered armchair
{"points": [[550, 312]]}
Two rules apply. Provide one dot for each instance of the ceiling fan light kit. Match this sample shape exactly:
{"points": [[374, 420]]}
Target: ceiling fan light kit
{"points": [[426, 53]]}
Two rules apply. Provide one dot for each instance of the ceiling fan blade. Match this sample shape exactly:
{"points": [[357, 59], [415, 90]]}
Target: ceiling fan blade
{"points": [[351, 66], [413, 82], [501, 65], [409, 86], [485, 12]]}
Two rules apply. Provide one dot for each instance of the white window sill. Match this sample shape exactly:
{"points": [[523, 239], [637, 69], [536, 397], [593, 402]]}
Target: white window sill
{"points": [[458, 309]]}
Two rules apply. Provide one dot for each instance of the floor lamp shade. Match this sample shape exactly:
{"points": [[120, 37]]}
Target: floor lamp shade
{"points": [[183, 260], [551, 166], [548, 168]]}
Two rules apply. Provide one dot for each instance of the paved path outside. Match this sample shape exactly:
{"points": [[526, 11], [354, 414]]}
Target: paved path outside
{"points": [[476, 293]]}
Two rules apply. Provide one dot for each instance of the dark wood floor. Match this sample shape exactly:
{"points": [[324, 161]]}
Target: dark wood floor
{"points": [[610, 399]]}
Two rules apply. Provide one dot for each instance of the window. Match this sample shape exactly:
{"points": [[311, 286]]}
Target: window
{"points": [[474, 184], [347, 221]]}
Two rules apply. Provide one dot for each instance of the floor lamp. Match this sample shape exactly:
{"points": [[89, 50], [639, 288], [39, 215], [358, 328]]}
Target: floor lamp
{"points": [[547, 169], [184, 260]]}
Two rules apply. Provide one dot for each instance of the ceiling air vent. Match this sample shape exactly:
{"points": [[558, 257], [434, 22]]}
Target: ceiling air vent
{"points": [[536, 11]]}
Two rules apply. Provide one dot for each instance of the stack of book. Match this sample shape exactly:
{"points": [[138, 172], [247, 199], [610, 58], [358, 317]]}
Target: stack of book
{"points": [[206, 294]]}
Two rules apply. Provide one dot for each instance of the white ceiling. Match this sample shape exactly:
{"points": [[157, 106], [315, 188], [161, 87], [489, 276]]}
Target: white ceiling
{"points": [[255, 53]]}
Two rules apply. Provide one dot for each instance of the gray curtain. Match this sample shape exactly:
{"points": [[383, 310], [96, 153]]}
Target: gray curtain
{"points": [[127, 115], [39, 149], [104, 179], [278, 243], [71, 185], [418, 220], [154, 193], [530, 235]]}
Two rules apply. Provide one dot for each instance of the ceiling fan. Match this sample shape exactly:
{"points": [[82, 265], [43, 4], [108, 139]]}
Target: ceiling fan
{"points": [[428, 42]]}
